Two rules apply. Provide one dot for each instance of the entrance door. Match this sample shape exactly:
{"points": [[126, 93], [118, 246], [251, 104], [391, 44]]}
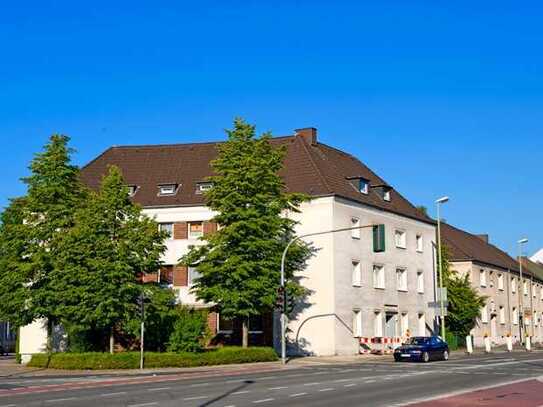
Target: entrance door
{"points": [[390, 324]]}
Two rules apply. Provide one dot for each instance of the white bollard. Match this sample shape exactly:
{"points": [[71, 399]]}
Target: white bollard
{"points": [[509, 342], [528, 344], [487, 344], [469, 345]]}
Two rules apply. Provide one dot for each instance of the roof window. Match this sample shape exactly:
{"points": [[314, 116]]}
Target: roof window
{"points": [[167, 189]]}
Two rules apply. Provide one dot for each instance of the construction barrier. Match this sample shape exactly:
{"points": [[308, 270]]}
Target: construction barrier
{"points": [[379, 345]]}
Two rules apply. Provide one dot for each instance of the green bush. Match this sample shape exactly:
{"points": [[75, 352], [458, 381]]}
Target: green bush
{"points": [[130, 360], [189, 331]]}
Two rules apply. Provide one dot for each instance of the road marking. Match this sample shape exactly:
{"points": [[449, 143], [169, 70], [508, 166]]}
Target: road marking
{"points": [[327, 389], [297, 394], [119, 393], [199, 385], [278, 388], [57, 400], [8, 405], [195, 398], [154, 403], [370, 381], [266, 377], [241, 392], [262, 401], [349, 385], [342, 380], [311, 384], [159, 388]]}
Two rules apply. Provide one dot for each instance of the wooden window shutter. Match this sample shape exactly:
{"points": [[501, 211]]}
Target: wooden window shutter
{"points": [[180, 230], [209, 227], [180, 276]]}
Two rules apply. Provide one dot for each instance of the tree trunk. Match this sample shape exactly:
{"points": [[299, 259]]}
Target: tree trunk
{"points": [[245, 332], [111, 341], [49, 336]]}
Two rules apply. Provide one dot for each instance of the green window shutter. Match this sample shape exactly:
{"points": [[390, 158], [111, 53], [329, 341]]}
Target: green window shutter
{"points": [[379, 238]]}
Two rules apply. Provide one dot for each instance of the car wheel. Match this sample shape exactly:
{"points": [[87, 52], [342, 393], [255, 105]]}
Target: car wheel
{"points": [[446, 355], [425, 357], [396, 359]]}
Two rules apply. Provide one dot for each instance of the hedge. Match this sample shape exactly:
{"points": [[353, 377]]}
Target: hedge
{"points": [[131, 360]]}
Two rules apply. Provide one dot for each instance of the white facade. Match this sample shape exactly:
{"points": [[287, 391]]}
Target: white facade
{"points": [[537, 257]]}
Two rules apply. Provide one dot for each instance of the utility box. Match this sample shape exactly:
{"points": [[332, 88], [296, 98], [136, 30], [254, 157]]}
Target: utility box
{"points": [[378, 238]]}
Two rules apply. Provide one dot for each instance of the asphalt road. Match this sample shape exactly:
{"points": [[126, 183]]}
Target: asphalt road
{"points": [[368, 383]]}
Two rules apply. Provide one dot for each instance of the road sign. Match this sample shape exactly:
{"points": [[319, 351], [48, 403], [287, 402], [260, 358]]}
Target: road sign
{"points": [[437, 304]]}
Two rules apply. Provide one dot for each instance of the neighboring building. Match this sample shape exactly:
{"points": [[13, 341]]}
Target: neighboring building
{"points": [[537, 257], [7, 337], [354, 291], [496, 275]]}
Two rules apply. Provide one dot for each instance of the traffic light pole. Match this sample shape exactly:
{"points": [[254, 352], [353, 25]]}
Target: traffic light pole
{"points": [[284, 319]]}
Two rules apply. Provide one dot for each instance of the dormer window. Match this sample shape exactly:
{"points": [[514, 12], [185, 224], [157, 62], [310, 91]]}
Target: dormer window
{"points": [[202, 187], [361, 184], [132, 189], [167, 189], [384, 191], [386, 195]]}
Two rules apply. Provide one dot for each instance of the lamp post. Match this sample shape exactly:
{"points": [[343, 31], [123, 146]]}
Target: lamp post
{"points": [[521, 291], [439, 202], [283, 311]]}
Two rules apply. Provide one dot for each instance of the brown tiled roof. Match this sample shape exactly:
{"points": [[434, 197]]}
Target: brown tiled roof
{"points": [[532, 268], [311, 168], [464, 246]]}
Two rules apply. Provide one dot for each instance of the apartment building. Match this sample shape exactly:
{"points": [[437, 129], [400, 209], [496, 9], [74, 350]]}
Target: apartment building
{"points": [[355, 291], [496, 275]]}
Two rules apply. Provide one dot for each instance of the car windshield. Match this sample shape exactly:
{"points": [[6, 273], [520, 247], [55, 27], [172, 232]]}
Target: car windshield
{"points": [[417, 341]]}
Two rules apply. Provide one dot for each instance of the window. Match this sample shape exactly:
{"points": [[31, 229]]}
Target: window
{"points": [[167, 189], [400, 239], [404, 324], [502, 315], [132, 189], [482, 278], [484, 314], [378, 324], [202, 187], [536, 321], [378, 276], [541, 293], [525, 287], [386, 195], [224, 325], [420, 244], [533, 291], [167, 228], [355, 223], [193, 276], [401, 278], [357, 274], [515, 316], [363, 185], [500, 282], [513, 285], [196, 229], [357, 323], [422, 325], [255, 324], [420, 282]]}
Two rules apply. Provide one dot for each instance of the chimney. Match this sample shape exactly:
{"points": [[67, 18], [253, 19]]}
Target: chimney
{"points": [[309, 134], [483, 237]]}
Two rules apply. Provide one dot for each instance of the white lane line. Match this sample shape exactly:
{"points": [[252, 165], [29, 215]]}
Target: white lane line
{"points": [[195, 398], [262, 401], [199, 385], [238, 380], [8, 405], [327, 389], [349, 385], [119, 393], [154, 403], [278, 388], [342, 380], [311, 384], [297, 394], [266, 378], [370, 381], [58, 400], [241, 392], [159, 388]]}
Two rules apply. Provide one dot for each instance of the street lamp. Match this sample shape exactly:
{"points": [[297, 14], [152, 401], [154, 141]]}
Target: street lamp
{"points": [[521, 290], [439, 202], [283, 290]]}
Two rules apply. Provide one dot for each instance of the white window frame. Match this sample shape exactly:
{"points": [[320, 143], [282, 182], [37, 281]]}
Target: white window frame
{"points": [[541, 293], [366, 185], [500, 281], [191, 235], [161, 228], [356, 273], [484, 314], [132, 189], [513, 285], [515, 316], [378, 324], [355, 222], [421, 324], [223, 331], [357, 323], [386, 195], [404, 323], [401, 279], [202, 187], [192, 274], [482, 278], [420, 243], [525, 288], [379, 280], [420, 282], [400, 238], [502, 315], [167, 189]]}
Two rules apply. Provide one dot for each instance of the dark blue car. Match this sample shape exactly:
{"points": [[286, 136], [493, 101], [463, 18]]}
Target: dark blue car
{"points": [[422, 348]]}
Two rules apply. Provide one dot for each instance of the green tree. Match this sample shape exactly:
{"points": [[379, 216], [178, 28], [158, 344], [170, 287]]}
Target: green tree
{"points": [[31, 229], [189, 330], [464, 301], [102, 256], [239, 265]]}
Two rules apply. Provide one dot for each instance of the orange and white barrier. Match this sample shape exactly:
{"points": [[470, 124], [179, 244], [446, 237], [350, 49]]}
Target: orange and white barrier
{"points": [[365, 345]]}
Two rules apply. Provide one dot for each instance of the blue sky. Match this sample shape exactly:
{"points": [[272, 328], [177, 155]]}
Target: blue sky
{"points": [[437, 97]]}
